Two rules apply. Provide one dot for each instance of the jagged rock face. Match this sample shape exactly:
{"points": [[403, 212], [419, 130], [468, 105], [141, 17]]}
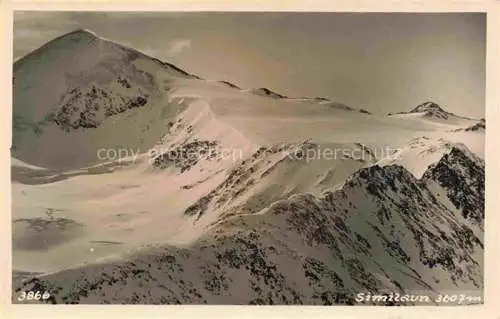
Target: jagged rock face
{"points": [[185, 156], [462, 177], [90, 108], [384, 230]]}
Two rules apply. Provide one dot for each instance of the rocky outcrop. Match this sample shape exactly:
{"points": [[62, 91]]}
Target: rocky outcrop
{"points": [[267, 92], [88, 108], [461, 175]]}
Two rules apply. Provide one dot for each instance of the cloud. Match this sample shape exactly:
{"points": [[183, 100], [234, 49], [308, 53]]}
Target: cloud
{"points": [[177, 46]]}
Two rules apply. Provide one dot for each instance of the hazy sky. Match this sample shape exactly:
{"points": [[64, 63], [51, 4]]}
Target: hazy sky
{"points": [[381, 62]]}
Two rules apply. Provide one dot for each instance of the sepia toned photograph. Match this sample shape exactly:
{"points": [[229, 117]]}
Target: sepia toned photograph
{"points": [[248, 158]]}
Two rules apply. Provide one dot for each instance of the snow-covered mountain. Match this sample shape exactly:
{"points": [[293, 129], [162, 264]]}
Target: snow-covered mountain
{"points": [[71, 94], [431, 109], [223, 195], [433, 112], [383, 230]]}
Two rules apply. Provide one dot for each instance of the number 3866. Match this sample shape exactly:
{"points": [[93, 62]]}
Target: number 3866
{"points": [[33, 295]]}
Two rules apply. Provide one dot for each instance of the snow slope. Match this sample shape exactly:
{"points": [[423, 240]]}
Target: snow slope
{"points": [[419, 153]]}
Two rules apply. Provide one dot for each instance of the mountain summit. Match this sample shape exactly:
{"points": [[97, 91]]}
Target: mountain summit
{"points": [[431, 109], [81, 33], [427, 107], [433, 112], [80, 81]]}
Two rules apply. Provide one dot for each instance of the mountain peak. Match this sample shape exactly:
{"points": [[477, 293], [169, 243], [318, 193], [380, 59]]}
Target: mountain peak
{"points": [[82, 31], [426, 107], [79, 35], [430, 109]]}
